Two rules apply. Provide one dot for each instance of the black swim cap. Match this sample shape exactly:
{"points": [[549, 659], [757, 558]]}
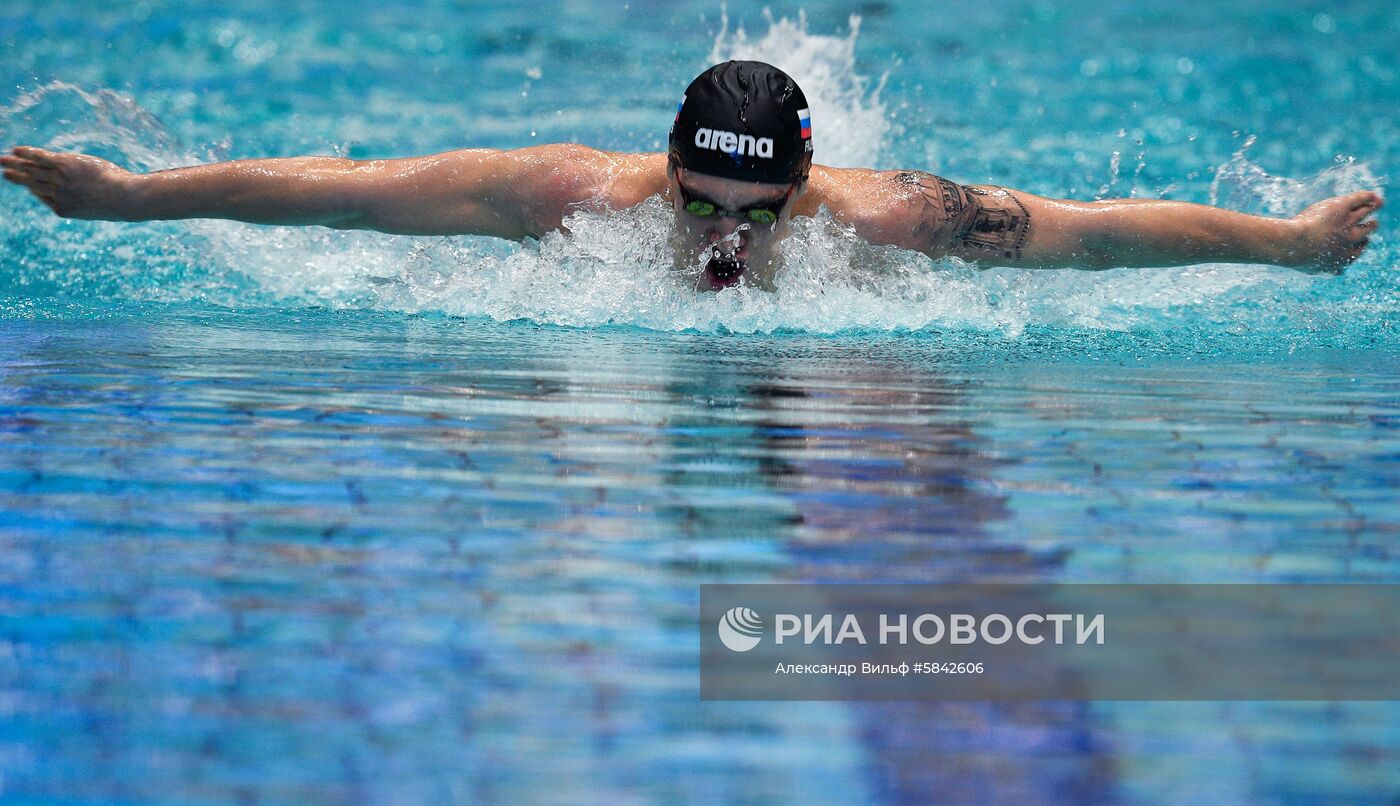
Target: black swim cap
{"points": [[746, 121]]}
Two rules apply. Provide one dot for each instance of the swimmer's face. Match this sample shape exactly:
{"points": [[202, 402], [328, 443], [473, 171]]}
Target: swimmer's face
{"points": [[730, 246]]}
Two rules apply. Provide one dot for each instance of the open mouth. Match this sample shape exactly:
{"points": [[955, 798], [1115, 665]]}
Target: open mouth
{"points": [[723, 272]]}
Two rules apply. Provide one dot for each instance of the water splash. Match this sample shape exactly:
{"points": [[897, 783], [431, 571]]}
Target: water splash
{"points": [[1242, 185], [849, 121], [66, 117], [617, 268]]}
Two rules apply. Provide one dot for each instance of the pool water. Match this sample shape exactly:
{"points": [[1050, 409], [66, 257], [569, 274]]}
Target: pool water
{"points": [[310, 516]]}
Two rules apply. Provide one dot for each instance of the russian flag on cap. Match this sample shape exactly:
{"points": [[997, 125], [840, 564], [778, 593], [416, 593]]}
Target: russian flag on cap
{"points": [[804, 119]]}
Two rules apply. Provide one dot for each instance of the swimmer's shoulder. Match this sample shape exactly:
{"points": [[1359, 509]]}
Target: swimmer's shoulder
{"points": [[842, 190], [614, 178], [909, 209], [568, 176], [633, 178]]}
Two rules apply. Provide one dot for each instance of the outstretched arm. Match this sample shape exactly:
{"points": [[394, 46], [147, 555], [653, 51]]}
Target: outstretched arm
{"points": [[997, 226], [509, 194]]}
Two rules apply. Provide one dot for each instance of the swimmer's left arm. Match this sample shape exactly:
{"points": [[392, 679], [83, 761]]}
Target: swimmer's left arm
{"points": [[997, 226], [506, 194]]}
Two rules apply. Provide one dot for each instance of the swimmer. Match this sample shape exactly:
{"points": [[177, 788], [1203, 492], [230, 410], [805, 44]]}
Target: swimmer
{"points": [[738, 168]]}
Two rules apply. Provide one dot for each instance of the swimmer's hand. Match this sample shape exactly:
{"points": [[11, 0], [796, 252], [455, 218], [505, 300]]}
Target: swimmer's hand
{"points": [[1333, 233], [72, 185]]}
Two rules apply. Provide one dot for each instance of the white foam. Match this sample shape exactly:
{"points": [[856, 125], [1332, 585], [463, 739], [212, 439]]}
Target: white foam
{"points": [[1242, 185], [616, 269]]}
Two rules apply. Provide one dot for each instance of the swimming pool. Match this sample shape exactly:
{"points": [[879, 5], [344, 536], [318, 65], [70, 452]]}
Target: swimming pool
{"points": [[315, 516]]}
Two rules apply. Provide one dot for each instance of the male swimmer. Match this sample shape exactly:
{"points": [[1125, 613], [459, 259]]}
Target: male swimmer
{"points": [[738, 169]]}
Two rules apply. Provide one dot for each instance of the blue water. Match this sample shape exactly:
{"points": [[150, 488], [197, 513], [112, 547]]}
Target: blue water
{"points": [[311, 516]]}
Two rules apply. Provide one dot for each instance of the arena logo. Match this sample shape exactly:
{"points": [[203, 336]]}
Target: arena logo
{"points": [[744, 145], [740, 629]]}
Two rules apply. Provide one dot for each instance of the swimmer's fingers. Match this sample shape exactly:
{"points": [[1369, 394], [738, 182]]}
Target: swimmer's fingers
{"points": [[33, 177], [1358, 208], [35, 155], [46, 192], [27, 168], [1363, 202], [11, 161], [1361, 232], [1358, 224], [36, 183], [72, 185], [24, 172], [1361, 212], [1366, 198], [31, 181], [1337, 231]]}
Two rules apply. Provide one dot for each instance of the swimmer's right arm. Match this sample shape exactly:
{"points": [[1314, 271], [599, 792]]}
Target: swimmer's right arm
{"points": [[507, 194]]}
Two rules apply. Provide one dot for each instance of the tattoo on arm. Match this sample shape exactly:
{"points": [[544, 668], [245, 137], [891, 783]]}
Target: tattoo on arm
{"points": [[991, 222]]}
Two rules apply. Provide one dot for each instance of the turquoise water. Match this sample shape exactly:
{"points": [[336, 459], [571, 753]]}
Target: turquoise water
{"points": [[291, 515]]}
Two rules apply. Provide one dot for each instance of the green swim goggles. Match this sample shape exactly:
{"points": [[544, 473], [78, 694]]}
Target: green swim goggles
{"points": [[761, 213]]}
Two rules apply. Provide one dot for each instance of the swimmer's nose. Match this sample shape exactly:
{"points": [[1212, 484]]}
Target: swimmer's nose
{"points": [[724, 234]]}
